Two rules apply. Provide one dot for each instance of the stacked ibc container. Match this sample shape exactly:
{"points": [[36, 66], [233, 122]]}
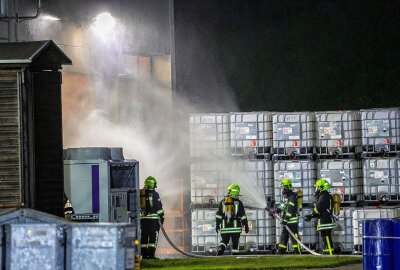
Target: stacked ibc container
{"points": [[226, 149], [338, 161], [209, 150], [293, 135], [342, 234], [381, 152], [209, 135], [366, 213], [252, 169], [251, 134], [293, 147]]}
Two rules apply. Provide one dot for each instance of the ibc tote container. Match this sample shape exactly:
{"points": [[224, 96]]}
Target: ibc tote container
{"points": [[261, 236], [338, 133], [209, 180], [307, 231], [293, 133], [34, 246], [381, 179], [369, 213], [380, 131], [255, 177], [204, 236], [251, 133], [209, 135], [342, 234], [345, 177], [302, 173], [93, 246]]}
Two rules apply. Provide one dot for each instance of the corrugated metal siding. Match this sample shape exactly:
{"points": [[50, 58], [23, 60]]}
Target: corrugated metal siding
{"points": [[10, 156]]}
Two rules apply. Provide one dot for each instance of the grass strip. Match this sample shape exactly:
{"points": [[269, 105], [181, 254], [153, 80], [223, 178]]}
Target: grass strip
{"points": [[256, 262]]}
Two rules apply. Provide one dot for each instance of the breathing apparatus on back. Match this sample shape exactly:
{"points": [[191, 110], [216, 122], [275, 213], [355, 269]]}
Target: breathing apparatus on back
{"points": [[150, 183]]}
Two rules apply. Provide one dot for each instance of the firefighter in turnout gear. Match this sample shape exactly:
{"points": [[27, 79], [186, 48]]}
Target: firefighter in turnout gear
{"points": [[290, 217], [151, 212], [230, 218], [323, 210]]}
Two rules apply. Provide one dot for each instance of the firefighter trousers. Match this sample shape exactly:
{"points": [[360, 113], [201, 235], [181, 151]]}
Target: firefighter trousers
{"points": [[225, 241], [149, 238], [284, 239], [327, 243]]}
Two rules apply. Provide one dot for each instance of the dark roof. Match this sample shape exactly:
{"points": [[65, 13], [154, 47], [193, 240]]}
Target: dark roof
{"points": [[28, 52]]}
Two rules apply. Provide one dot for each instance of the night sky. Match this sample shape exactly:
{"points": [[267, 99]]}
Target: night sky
{"points": [[288, 55]]}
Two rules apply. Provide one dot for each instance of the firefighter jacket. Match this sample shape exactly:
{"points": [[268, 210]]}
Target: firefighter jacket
{"points": [[288, 208], [231, 215], [150, 205], [323, 209]]}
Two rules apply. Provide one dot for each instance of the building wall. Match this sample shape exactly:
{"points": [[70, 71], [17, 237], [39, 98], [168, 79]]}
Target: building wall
{"points": [[288, 55]]}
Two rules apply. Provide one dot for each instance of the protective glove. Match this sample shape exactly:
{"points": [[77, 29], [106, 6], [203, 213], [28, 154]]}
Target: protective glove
{"points": [[162, 220], [284, 223], [246, 228], [272, 213], [308, 218], [217, 228]]}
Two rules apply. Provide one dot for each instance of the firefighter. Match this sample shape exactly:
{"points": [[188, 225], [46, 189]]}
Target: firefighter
{"points": [[287, 208], [151, 213], [230, 218], [323, 210]]}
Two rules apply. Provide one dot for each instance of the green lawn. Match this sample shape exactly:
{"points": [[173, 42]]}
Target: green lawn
{"points": [[256, 262]]}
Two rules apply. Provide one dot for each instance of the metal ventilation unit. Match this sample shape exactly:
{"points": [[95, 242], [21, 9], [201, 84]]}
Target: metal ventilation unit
{"points": [[101, 185]]}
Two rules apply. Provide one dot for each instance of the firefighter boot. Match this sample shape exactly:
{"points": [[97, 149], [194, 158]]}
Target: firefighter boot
{"points": [[221, 249]]}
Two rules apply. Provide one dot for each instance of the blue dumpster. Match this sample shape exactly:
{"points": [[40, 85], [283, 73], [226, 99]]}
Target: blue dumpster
{"points": [[377, 249], [396, 244]]}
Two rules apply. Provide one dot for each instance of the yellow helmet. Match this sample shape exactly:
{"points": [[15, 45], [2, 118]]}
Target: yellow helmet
{"points": [[234, 190], [150, 182]]}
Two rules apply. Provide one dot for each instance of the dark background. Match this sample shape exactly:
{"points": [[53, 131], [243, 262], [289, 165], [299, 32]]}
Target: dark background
{"points": [[287, 55]]}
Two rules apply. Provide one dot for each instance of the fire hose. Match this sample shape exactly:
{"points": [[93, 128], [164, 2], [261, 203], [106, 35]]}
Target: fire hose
{"points": [[176, 248], [291, 233]]}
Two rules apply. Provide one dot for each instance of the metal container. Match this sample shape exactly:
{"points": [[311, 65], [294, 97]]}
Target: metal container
{"points": [[255, 177], [260, 237], [307, 231], [378, 244], [209, 135], [302, 173], [27, 215], [381, 179], [338, 133], [34, 246], [100, 246], [396, 242], [251, 133], [293, 133], [342, 234], [369, 213], [100, 188], [209, 180], [345, 177], [381, 130]]}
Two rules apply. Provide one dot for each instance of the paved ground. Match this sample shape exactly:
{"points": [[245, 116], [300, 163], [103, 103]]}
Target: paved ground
{"points": [[346, 267]]}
